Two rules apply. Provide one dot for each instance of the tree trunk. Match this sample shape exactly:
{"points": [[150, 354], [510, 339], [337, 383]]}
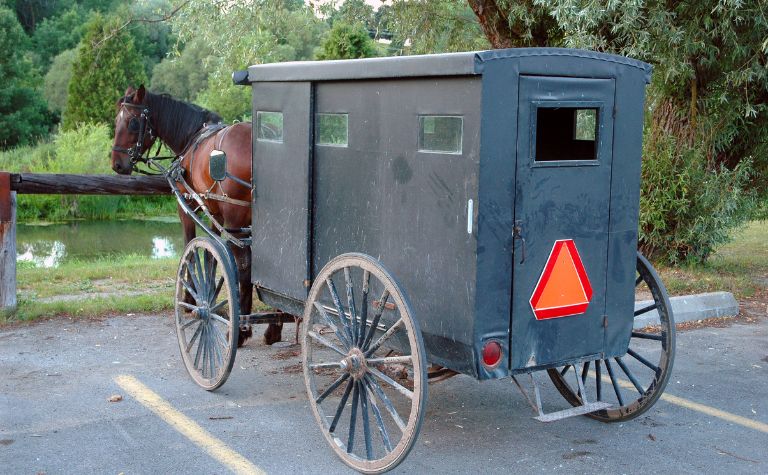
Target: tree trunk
{"points": [[494, 23]]}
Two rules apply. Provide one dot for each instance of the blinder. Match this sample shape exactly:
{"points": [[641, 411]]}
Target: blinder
{"points": [[137, 125]]}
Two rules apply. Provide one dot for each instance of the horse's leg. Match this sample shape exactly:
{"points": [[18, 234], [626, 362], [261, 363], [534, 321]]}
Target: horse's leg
{"points": [[187, 225], [243, 260]]}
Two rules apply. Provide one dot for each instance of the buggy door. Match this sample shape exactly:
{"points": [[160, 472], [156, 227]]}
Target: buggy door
{"points": [[562, 209]]}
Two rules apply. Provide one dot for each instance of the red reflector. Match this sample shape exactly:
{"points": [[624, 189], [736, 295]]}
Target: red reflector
{"points": [[491, 353]]}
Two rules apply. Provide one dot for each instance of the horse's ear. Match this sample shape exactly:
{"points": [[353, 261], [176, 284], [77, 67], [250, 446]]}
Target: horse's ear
{"points": [[139, 98], [129, 91]]}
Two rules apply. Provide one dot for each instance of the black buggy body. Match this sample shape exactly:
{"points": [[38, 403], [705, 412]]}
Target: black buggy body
{"points": [[441, 210]]}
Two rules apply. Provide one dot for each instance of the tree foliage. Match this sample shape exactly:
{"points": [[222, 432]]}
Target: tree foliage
{"points": [[56, 82], [709, 99], [434, 26], [106, 64], [185, 75], [345, 41], [23, 114], [245, 33], [58, 33]]}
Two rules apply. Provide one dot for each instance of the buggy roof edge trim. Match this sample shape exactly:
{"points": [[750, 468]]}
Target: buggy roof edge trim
{"points": [[446, 64]]}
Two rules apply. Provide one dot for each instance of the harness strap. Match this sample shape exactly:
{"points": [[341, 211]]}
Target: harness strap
{"points": [[215, 196]]}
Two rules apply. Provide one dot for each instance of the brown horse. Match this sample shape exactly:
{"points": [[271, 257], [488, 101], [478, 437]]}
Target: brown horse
{"points": [[184, 128]]}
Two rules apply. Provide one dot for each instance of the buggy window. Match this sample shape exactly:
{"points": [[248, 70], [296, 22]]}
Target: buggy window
{"points": [[332, 129], [269, 126], [440, 133], [566, 133]]}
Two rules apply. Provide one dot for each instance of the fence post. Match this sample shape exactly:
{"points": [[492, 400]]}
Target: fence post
{"points": [[7, 243]]}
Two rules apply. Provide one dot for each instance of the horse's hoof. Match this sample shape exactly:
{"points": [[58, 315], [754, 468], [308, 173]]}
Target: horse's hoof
{"points": [[273, 334], [244, 335]]}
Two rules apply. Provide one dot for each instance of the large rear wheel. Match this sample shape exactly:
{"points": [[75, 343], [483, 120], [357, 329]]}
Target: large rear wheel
{"points": [[634, 382], [364, 363]]}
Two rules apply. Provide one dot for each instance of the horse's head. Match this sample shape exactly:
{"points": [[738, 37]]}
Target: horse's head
{"points": [[133, 131]]}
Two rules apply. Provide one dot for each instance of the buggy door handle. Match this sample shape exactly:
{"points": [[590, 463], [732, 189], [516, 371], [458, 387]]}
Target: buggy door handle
{"points": [[517, 233]]}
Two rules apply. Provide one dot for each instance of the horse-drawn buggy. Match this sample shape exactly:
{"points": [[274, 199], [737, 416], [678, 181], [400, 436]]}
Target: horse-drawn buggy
{"points": [[474, 212]]}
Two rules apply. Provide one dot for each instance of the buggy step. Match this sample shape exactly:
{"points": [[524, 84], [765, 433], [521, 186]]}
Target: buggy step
{"points": [[574, 411], [585, 408]]}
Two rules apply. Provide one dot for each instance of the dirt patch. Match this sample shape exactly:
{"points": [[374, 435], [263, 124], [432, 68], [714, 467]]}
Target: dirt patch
{"points": [[293, 369], [286, 354]]}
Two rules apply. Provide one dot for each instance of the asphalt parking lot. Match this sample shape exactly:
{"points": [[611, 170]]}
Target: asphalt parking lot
{"points": [[56, 379]]}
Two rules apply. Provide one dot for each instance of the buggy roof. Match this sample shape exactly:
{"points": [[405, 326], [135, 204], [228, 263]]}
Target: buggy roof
{"points": [[448, 64]]}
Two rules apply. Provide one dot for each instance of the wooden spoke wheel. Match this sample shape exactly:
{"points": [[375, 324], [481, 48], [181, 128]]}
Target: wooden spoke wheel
{"points": [[364, 363], [207, 309], [634, 382]]}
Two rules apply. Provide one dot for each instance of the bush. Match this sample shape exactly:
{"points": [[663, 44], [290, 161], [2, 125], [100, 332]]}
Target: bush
{"points": [[84, 150], [688, 205]]}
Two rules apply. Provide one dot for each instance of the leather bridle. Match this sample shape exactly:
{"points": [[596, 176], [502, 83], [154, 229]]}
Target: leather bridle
{"points": [[142, 127]]}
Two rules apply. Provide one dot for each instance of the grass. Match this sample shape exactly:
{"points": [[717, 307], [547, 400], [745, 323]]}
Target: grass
{"points": [[90, 307], [111, 285], [740, 267]]}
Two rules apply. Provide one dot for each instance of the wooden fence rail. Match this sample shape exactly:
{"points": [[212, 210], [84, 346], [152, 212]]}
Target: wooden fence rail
{"points": [[56, 184]]}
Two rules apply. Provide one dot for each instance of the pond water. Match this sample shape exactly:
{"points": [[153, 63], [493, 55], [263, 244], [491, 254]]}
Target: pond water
{"points": [[52, 244]]}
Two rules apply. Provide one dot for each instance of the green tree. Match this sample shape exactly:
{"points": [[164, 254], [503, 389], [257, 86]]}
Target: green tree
{"points": [[151, 38], [345, 41], [434, 26], [106, 64], [56, 82], [31, 12], [350, 11], [23, 114], [56, 34], [241, 34], [183, 76]]}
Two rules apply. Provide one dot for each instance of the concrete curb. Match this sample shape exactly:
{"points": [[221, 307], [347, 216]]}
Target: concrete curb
{"points": [[692, 307]]}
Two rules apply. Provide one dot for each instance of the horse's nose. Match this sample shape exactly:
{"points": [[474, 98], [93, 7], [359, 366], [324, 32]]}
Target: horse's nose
{"points": [[118, 167]]}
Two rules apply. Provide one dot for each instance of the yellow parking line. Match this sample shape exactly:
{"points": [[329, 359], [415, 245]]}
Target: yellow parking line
{"points": [[711, 411], [698, 407], [187, 427]]}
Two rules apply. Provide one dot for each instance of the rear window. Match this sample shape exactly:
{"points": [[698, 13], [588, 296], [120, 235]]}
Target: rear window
{"points": [[566, 133]]}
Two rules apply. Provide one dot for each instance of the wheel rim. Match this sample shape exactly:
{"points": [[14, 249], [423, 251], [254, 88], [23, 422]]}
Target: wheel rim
{"points": [[356, 374], [634, 382], [207, 313]]}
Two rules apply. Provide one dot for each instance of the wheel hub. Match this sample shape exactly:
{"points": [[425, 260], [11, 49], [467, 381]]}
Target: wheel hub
{"points": [[202, 312], [355, 363]]}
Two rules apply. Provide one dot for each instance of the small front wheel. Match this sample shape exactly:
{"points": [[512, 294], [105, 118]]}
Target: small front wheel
{"points": [[364, 363], [207, 310]]}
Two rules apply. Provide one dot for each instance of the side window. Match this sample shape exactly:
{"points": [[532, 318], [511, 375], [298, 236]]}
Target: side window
{"points": [[269, 126], [332, 129], [440, 133], [566, 133]]}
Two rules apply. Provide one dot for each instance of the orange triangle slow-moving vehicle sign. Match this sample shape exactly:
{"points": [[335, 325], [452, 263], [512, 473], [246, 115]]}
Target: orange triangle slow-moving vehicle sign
{"points": [[563, 289]]}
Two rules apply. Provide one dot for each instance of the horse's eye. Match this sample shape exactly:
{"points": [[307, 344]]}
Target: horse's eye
{"points": [[133, 125]]}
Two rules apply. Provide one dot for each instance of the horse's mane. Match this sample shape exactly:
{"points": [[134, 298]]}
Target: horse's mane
{"points": [[177, 121]]}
